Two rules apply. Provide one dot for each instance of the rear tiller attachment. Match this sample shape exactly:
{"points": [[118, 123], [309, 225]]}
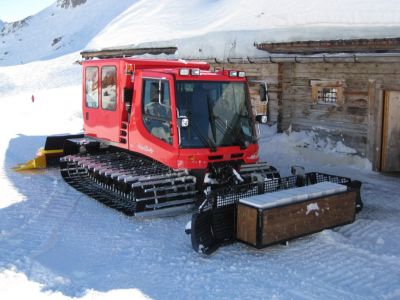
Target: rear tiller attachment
{"points": [[280, 210]]}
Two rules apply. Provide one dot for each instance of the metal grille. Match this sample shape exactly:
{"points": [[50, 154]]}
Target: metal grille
{"points": [[327, 95], [234, 197], [286, 183], [321, 177], [227, 196], [231, 195]]}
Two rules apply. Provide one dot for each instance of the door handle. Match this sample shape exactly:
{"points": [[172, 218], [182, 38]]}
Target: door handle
{"points": [[87, 115]]}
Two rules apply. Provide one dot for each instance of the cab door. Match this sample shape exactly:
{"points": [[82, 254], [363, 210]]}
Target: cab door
{"points": [[102, 105], [152, 133]]}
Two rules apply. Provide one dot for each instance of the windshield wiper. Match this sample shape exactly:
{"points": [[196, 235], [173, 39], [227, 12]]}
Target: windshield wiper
{"points": [[204, 139], [235, 133], [211, 118], [251, 120], [214, 125]]}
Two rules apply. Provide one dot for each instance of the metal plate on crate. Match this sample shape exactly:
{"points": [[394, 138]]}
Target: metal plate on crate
{"points": [[294, 195]]}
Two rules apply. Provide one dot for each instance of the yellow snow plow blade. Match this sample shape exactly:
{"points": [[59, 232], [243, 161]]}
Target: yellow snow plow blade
{"points": [[39, 162], [49, 155]]}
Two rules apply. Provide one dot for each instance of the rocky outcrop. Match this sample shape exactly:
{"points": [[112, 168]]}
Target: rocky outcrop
{"points": [[7, 28], [69, 3]]}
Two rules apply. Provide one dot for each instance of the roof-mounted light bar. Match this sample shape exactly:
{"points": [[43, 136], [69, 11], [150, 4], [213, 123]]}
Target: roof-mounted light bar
{"points": [[129, 69], [234, 73], [186, 72]]}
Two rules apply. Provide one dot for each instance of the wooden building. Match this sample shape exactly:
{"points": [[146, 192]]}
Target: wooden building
{"points": [[351, 93]]}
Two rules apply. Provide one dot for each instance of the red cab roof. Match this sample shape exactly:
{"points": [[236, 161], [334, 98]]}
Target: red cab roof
{"points": [[150, 63]]}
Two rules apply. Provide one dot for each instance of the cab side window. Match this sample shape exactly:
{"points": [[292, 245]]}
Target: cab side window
{"points": [[109, 88], [157, 108], [92, 87]]}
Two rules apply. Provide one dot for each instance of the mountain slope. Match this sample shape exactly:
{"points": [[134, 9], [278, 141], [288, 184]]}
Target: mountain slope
{"points": [[62, 28], [199, 28]]}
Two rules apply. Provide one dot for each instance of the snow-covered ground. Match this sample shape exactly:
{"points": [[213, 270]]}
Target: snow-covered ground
{"points": [[56, 243]]}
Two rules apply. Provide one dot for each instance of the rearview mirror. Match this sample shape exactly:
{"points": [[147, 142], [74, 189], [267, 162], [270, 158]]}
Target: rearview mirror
{"points": [[183, 122], [263, 92], [128, 94], [160, 92], [263, 119]]}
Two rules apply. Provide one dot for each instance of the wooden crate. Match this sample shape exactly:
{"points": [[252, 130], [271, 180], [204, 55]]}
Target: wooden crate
{"points": [[284, 215]]}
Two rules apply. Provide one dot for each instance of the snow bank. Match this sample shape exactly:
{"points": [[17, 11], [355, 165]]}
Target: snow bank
{"points": [[40, 75], [56, 87], [11, 282], [306, 148]]}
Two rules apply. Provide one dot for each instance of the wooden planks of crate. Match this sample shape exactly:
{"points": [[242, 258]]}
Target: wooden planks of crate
{"points": [[280, 216]]}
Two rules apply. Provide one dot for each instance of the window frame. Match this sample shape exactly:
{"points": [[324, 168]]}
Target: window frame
{"points": [[114, 107], [86, 87], [145, 115]]}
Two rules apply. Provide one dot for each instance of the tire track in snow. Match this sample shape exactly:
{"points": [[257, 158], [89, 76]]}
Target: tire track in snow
{"points": [[370, 236], [50, 210], [332, 262]]}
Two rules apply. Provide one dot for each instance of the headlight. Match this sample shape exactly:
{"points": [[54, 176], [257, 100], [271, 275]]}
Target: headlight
{"points": [[184, 72], [233, 73]]}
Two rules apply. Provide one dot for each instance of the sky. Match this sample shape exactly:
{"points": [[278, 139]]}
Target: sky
{"points": [[15, 10]]}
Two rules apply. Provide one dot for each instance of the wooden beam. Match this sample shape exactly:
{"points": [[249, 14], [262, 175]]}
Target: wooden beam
{"points": [[126, 52], [373, 149], [334, 46], [280, 98], [378, 111]]}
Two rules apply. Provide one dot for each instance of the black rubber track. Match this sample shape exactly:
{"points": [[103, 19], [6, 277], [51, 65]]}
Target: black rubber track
{"points": [[128, 183]]}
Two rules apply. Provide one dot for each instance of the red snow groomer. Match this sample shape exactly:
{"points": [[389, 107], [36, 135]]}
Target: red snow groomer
{"points": [[162, 135], [156, 132]]}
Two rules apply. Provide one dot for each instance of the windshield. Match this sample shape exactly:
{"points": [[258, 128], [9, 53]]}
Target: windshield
{"points": [[218, 114]]}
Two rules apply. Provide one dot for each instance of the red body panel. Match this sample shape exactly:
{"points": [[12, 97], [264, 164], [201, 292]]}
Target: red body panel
{"points": [[109, 125]]}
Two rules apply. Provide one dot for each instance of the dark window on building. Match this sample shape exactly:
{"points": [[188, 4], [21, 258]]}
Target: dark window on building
{"points": [[92, 87], [157, 108], [327, 92], [327, 95], [109, 88]]}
